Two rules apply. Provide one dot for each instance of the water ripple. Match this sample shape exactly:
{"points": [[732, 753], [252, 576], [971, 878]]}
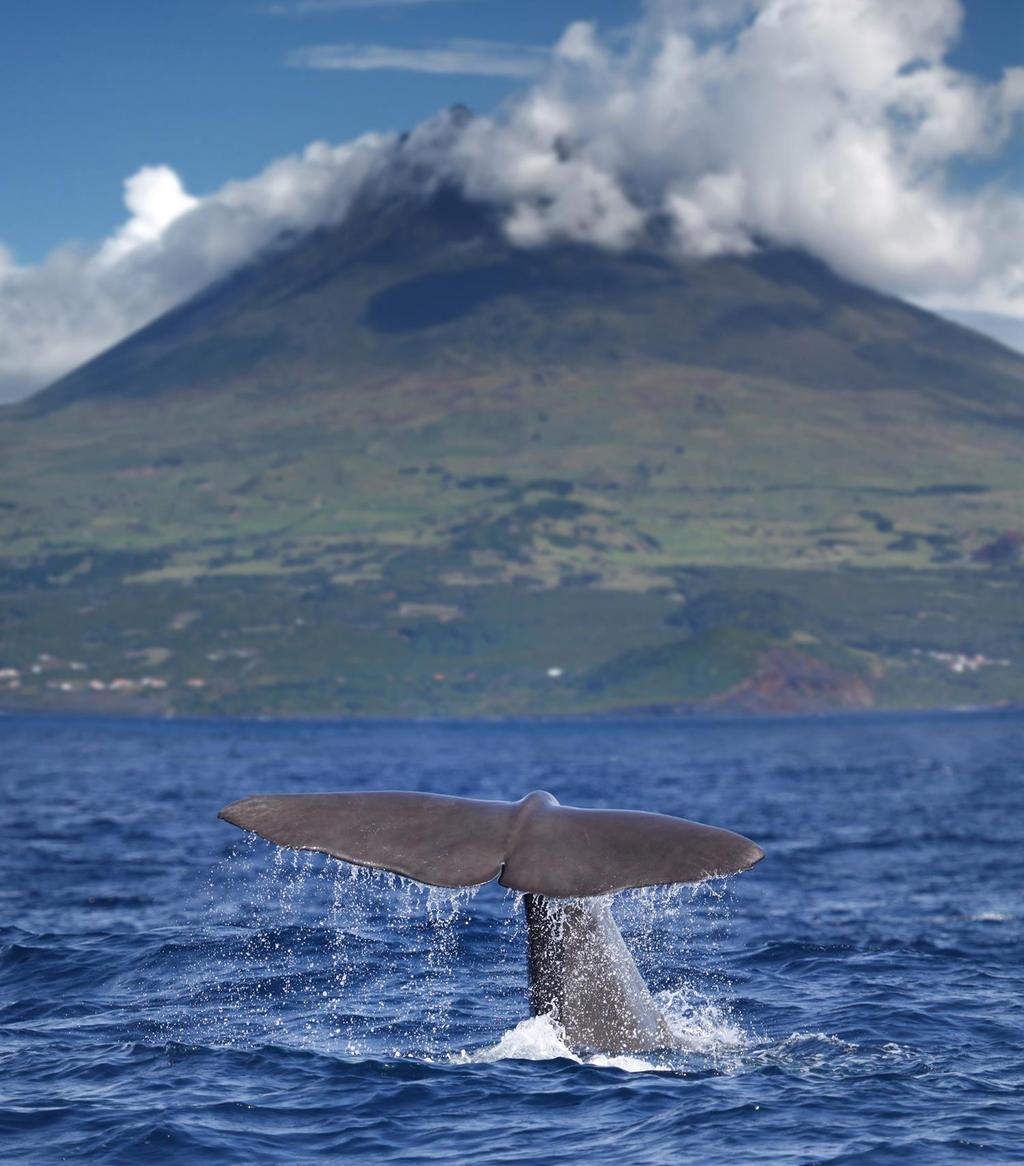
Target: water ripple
{"points": [[171, 992]]}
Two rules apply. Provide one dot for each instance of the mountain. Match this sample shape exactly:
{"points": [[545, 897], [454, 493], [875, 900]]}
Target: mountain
{"points": [[402, 286], [399, 466]]}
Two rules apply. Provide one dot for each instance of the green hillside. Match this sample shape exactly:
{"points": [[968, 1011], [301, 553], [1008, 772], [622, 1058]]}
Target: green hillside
{"points": [[398, 467]]}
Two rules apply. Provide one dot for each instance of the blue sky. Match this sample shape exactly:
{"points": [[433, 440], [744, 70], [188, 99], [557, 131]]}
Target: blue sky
{"points": [[90, 90]]}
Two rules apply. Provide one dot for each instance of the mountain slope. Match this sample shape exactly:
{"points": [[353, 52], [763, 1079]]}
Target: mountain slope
{"points": [[410, 285], [406, 450]]}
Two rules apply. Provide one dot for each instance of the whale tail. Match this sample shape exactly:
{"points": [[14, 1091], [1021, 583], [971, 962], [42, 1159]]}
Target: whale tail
{"points": [[535, 846], [580, 970]]}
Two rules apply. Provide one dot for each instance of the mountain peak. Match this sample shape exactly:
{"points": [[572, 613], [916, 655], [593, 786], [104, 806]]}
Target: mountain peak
{"points": [[422, 277]]}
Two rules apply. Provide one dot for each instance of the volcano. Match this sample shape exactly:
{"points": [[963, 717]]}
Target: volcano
{"points": [[399, 466], [410, 285]]}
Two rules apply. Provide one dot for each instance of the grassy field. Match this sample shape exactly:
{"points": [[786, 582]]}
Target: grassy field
{"points": [[304, 646]]}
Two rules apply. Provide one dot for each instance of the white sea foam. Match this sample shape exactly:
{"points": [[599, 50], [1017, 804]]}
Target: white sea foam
{"points": [[541, 1038], [538, 1038], [698, 1026], [977, 917], [701, 1026]]}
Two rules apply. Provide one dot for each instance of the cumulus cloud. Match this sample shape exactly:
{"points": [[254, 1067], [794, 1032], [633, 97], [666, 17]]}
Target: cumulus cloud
{"points": [[155, 197], [81, 300], [805, 123], [839, 128], [458, 57]]}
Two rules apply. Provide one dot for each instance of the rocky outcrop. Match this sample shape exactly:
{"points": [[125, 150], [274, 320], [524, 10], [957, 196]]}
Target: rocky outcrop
{"points": [[789, 681]]}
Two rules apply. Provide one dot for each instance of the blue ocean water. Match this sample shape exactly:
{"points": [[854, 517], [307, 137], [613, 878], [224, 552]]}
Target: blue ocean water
{"points": [[172, 991]]}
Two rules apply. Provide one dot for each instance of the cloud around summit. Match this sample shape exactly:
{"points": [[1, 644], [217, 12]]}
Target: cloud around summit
{"points": [[836, 128]]}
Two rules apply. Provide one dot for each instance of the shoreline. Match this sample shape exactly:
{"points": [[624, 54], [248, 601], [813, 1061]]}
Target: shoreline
{"points": [[621, 716]]}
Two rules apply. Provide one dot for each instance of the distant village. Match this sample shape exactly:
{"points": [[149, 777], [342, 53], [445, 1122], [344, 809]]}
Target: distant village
{"points": [[67, 676], [46, 663]]}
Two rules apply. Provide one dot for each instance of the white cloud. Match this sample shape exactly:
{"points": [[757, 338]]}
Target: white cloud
{"points": [[79, 301], [457, 58], [833, 127], [155, 197], [307, 7], [830, 127]]}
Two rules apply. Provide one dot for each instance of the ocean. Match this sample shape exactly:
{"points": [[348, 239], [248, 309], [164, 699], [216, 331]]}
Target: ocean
{"points": [[174, 991]]}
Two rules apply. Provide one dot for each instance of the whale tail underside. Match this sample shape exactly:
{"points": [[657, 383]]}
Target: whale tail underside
{"points": [[535, 846]]}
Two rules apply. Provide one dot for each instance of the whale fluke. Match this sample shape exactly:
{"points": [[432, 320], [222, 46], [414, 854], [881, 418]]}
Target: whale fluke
{"points": [[535, 845], [579, 968]]}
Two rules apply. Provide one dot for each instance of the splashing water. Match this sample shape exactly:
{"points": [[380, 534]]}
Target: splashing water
{"points": [[331, 956], [340, 958]]}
